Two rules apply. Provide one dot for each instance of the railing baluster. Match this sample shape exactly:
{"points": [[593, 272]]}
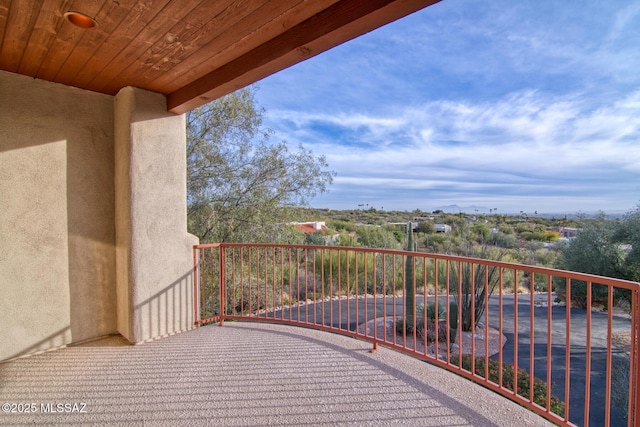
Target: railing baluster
{"points": [[500, 325], [424, 311], [567, 375], [355, 286], [322, 252], [348, 289], [384, 293], [233, 298], [472, 285], [196, 283], [587, 385], [486, 322], [223, 282], [515, 331], [393, 290], [242, 299], [460, 325], [634, 377], [532, 348], [203, 287], [266, 283], [331, 290], [413, 285], [607, 405], [290, 287], [339, 289], [549, 339]]}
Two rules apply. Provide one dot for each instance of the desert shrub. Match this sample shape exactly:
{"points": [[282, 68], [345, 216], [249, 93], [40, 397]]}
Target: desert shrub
{"points": [[428, 331], [478, 281], [506, 228], [620, 384], [599, 293], [436, 310], [377, 237], [340, 224], [503, 240], [523, 381], [436, 242], [594, 251], [482, 232], [248, 296]]}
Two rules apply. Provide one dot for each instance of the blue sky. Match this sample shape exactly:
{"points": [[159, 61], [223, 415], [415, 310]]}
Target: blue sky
{"points": [[520, 106]]}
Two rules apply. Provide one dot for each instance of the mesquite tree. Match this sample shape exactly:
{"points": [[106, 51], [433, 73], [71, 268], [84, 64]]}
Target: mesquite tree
{"points": [[241, 185]]}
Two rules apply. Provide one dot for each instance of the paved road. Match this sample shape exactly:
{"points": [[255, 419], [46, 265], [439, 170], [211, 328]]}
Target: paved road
{"points": [[578, 353], [347, 314]]}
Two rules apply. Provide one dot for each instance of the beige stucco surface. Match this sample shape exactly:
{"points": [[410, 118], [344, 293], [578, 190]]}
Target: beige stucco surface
{"points": [[57, 229], [78, 169], [154, 251]]}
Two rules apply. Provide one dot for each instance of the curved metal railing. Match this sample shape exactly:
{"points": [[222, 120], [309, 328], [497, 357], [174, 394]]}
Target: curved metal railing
{"points": [[505, 326]]}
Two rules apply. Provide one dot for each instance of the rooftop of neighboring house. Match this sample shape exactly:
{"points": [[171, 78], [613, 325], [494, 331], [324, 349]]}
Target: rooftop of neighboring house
{"points": [[312, 227]]}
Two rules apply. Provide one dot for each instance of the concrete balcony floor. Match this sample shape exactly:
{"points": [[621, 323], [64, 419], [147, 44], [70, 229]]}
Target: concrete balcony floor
{"points": [[247, 374]]}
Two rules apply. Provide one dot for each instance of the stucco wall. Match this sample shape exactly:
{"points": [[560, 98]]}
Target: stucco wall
{"points": [[57, 215], [93, 233], [154, 252]]}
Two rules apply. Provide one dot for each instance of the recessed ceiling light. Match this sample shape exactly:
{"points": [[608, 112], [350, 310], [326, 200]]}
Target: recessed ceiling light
{"points": [[81, 20]]}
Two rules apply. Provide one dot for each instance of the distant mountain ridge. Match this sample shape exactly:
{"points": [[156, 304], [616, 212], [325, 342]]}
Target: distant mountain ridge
{"points": [[454, 209], [465, 209]]}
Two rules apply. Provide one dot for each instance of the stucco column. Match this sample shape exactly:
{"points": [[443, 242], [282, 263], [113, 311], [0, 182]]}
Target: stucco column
{"points": [[154, 258]]}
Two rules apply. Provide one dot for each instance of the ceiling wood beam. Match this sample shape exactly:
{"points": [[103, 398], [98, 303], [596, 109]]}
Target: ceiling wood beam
{"points": [[337, 24]]}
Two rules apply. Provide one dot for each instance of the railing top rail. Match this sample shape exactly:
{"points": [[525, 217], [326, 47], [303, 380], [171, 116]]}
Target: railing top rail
{"points": [[626, 284], [207, 245]]}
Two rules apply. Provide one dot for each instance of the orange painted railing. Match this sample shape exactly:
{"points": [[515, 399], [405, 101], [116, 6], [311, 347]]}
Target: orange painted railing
{"points": [[574, 364]]}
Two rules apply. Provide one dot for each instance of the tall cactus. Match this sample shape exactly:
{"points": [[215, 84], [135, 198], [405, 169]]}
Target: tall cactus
{"points": [[453, 322], [410, 295]]}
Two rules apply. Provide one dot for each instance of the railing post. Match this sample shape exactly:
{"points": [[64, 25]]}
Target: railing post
{"points": [[196, 309], [222, 265], [636, 348]]}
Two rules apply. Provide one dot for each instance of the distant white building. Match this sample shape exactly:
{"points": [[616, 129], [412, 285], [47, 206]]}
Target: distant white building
{"points": [[443, 228], [569, 232]]}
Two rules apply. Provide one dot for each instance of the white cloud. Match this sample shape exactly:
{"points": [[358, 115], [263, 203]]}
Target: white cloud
{"points": [[496, 102], [524, 144]]}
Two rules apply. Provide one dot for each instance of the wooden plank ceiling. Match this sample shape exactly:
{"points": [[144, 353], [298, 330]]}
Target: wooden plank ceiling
{"points": [[193, 51]]}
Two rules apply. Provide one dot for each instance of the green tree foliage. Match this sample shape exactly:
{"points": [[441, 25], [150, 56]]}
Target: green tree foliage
{"points": [[345, 239], [436, 242], [505, 228], [482, 232], [503, 240], [316, 239], [593, 251], [427, 227], [241, 186], [339, 225], [629, 233], [377, 237]]}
